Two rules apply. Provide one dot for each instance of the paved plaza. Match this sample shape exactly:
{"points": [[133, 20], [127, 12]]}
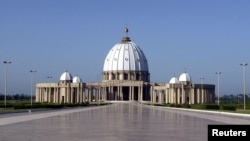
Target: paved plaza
{"points": [[115, 122]]}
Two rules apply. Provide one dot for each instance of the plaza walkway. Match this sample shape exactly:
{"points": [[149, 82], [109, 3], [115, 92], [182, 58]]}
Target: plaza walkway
{"points": [[116, 122]]}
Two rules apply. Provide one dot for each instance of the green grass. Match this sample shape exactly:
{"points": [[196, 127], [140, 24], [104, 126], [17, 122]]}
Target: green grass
{"points": [[231, 108], [23, 106]]}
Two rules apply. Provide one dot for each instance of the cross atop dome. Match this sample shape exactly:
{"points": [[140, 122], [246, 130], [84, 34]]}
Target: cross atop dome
{"points": [[126, 38], [126, 30]]}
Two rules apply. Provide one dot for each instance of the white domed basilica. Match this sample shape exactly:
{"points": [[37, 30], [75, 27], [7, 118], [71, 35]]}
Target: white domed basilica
{"points": [[125, 77]]}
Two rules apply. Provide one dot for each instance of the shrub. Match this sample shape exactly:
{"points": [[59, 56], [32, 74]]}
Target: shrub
{"points": [[205, 106], [211, 106], [185, 106], [21, 106], [228, 107], [172, 105]]}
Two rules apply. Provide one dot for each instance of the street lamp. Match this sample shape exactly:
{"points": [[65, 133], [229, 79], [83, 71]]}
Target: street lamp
{"points": [[202, 78], [218, 74], [244, 81], [202, 96], [31, 83], [5, 91], [49, 77]]}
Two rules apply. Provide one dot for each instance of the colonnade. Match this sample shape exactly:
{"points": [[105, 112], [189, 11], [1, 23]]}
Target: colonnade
{"points": [[91, 92], [74, 93], [124, 91], [180, 94]]}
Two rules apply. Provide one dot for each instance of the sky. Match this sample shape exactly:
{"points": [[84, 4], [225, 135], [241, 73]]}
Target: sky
{"points": [[52, 36]]}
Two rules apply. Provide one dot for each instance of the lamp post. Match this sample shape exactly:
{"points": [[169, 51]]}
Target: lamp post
{"points": [[5, 91], [49, 77], [238, 96], [244, 81], [218, 74], [202, 94], [31, 83], [202, 78]]}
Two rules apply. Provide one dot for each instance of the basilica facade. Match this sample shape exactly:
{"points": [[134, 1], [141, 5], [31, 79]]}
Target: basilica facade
{"points": [[125, 77]]}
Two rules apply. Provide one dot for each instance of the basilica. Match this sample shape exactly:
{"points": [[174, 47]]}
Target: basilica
{"points": [[125, 77]]}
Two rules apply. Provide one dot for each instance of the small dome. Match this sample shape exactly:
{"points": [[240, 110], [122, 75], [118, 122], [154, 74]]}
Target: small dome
{"points": [[173, 80], [66, 76], [77, 79], [184, 77]]}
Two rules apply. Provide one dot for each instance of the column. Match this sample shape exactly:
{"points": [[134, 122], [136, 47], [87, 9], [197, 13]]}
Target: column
{"points": [[96, 95], [130, 93], [54, 96], [99, 94], [166, 96], [72, 93], [178, 96], [133, 94], [50, 95], [202, 96], [104, 97], [77, 95], [198, 96], [154, 96], [89, 94], [183, 96], [68, 95], [159, 96], [171, 95], [109, 92], [115, 94], [83, 94], [121, 93], [141, 92]]}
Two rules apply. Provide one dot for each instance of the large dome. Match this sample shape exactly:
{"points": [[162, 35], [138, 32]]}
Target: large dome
{"points": [[125, 56]]}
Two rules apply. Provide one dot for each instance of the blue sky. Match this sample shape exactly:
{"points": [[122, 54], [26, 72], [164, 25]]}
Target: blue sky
{"points": [[198, 36]]}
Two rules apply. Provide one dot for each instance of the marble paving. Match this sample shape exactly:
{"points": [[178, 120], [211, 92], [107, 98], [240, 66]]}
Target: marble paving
{"points": [[116, 122]]}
